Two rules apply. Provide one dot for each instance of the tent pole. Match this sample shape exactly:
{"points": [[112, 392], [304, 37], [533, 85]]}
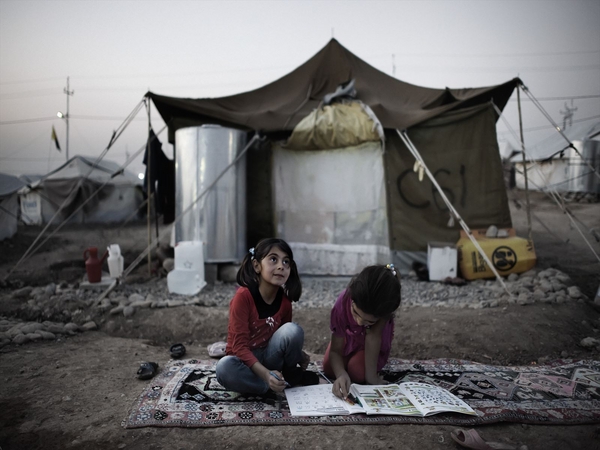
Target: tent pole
{"points": [[529, 233], [148, 208]]}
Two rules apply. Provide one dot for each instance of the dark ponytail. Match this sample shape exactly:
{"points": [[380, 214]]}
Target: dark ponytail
{"points": [[247, 277]]}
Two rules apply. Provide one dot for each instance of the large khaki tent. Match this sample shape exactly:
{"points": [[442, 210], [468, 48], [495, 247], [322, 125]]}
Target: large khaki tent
{"points": [[453, 129]]}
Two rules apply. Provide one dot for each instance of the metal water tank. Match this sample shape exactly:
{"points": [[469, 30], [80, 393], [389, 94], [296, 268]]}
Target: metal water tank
{"points": [[218, 218]]}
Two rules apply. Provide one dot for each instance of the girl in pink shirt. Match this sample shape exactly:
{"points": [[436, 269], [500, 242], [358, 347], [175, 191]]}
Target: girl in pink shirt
{"points": [[362, 328]]}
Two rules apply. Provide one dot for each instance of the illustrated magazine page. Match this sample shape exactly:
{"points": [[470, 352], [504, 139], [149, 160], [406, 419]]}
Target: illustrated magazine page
{"points": [[407, 399], [430, 399]]}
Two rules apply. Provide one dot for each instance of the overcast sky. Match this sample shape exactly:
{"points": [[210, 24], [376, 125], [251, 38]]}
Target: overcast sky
{"points": [[115, 51]]}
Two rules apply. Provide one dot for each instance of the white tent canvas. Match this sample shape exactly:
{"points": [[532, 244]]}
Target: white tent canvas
{"points": [[85, 192], [330, 206]]}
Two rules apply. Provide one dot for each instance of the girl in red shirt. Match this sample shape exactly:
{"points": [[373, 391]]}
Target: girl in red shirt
{"points": [[264, 346]]}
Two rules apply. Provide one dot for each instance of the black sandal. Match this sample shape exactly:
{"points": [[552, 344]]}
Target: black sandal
{"points": [[147, 370], [177, 350]]}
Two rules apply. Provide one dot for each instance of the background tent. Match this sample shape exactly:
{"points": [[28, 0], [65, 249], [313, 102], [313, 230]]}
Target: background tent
{"points": [[73, 184], [553, 164], [9, 204], [454, 129]]}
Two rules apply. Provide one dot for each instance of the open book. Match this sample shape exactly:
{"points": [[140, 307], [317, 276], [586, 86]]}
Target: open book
{"points": [[406, 399]]}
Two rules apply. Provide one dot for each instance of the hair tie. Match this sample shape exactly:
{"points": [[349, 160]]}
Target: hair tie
{"points": [[391, 268], [252, 252]]}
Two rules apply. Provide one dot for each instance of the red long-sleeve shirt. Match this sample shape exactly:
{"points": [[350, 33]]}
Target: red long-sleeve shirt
{"points": [[246, 331]]}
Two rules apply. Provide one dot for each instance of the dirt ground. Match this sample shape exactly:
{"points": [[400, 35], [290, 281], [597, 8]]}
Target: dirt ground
{"points": [[74, 392]]}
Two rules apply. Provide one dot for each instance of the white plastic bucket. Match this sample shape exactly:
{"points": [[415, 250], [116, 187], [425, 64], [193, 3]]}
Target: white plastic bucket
{"points": [[187, 278], [185, 282], [189, 255]]}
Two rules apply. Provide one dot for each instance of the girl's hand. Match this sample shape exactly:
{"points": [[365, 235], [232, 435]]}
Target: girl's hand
{"points": [[341, 386], [275, 384]]}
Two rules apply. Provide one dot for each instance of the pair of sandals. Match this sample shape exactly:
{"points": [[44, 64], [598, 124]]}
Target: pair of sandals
{"points": [[147, 370]]}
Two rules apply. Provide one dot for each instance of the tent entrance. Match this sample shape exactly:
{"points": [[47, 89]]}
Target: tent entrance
{"points": [[330, 206]]}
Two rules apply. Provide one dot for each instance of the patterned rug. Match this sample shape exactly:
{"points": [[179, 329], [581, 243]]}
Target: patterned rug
{"points": [[186, 394]]}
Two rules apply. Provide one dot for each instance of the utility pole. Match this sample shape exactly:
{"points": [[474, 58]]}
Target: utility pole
{"points": [[69, 93], [568, 115]]}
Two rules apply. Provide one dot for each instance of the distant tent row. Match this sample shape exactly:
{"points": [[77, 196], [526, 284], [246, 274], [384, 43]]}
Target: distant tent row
{"points": [[359, 197], [70, 188], [554, 164]]}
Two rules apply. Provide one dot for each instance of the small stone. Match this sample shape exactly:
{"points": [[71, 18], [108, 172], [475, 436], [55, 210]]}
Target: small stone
{"points": [[524, 299], [31, 327], [128, 311], [37, 291], [33, 336], [563, 278], [46, 335], [175, 303], [20, 339], [89, 326], [69, 327], [50, 289], [136, 298], [22, 293], [119, 300], [168, 264], [574, 292], [142, 304], [117, 310], [57, 328], [589, 342]]}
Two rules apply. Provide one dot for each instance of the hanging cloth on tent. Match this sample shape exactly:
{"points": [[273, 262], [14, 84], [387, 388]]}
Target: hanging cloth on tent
{"points": [[162, 178]]}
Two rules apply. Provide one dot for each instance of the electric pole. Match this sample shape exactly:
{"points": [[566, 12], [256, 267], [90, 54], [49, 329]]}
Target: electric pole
{"points": [[69, 93]]}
